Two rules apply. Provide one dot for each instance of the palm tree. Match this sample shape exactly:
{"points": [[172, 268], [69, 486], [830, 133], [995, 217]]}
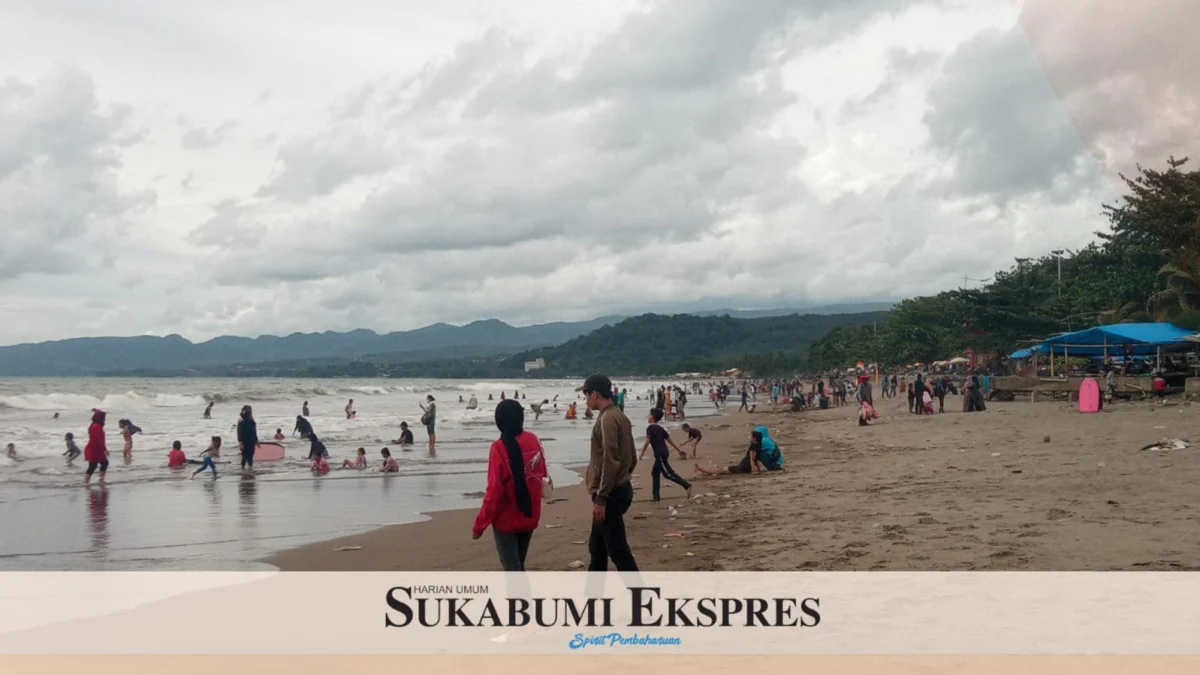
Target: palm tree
{"points": [[1181, 293]]}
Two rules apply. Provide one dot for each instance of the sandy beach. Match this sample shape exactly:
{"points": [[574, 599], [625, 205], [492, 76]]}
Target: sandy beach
{"points": [[1022, 486]]}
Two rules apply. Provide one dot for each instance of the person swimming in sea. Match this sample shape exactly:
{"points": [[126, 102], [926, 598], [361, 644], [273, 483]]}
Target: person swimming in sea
{"points": [[208, 411], [304, 410], [350, 413], [11, 451], [473, 403], [279, 435]]}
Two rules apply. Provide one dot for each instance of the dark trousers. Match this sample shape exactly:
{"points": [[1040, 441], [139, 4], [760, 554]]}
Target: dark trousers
{"points": [[608, 540], [662, 467], [512, 547], [248, 456]]}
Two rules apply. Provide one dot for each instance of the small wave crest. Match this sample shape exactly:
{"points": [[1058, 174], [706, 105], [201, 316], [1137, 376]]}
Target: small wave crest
{"points": [[117, 402]]}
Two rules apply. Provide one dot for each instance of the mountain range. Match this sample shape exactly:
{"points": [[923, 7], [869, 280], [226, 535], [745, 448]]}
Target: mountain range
{"points": [[92, 356]]}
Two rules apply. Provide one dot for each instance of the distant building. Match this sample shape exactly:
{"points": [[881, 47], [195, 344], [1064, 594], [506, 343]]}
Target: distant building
{"points": [[535, 365]]}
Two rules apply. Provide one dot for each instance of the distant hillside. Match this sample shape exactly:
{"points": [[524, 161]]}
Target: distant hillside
{"points": [[90, 356], [645, 345], [662, 345]]}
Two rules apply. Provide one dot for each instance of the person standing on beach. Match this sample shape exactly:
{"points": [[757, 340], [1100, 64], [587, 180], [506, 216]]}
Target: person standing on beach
{"points": [[609, 478], [745, 401], [658, 438], [247, 435], [429, 419], [95, 453], [512, 504], [350, 410], [621, 400]]}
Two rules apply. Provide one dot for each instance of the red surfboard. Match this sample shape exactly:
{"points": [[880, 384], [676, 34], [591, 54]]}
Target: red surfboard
{"points": [[1089, 396]]}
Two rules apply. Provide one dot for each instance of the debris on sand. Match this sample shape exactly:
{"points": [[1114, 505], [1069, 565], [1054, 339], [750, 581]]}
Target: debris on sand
{"points": [[347, 548], [575, 564], [1167, 444]]}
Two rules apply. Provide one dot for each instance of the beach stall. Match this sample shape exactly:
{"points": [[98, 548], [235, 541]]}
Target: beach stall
{"points": [[1122, 339]]}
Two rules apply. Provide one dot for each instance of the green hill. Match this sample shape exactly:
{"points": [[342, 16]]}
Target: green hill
{"points": [[653, 344]]}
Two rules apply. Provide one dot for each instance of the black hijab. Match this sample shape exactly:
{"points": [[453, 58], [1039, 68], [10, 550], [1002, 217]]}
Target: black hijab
{"points": [[510, 420]]}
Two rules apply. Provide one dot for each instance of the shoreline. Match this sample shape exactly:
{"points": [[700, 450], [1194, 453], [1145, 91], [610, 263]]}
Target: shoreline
{"points": [[1018, 487], [443, 541]]}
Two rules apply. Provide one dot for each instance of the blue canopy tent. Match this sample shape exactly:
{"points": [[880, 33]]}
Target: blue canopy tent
{"points": [[1136, 339]]}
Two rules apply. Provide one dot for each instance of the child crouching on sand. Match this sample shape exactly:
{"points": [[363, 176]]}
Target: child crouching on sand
{"points": [[866, 413], [763, 453]]}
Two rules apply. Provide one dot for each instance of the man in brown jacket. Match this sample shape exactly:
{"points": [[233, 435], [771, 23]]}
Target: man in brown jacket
{"points": [[609, 475]]}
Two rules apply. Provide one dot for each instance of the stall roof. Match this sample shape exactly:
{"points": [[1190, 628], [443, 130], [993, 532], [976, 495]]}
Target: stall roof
{"points": [[1142, 338], [1021, 354]]}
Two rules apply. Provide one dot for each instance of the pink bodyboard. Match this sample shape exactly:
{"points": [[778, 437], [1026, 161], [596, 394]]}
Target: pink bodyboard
{"points": [[1089, 396], [268, 452]]}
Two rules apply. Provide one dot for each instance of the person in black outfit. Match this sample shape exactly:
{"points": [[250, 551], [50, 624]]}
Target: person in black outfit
{"points": [[316, 450], [303, 426], [247, 435], [658, 438]]}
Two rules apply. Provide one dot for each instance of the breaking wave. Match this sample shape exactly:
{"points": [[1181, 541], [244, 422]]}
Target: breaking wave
{"points": [[120, 402]]}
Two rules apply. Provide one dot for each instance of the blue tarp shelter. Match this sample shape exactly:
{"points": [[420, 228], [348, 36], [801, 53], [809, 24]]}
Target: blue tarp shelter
{"points": [[1142, 339], [1021, 354]]}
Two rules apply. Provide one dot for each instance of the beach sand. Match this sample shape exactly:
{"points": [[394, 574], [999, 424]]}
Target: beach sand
{"points": [[981, 491]]}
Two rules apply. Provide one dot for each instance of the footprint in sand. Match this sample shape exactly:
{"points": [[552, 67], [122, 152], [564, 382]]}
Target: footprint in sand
{"points": [[1058, 514]]}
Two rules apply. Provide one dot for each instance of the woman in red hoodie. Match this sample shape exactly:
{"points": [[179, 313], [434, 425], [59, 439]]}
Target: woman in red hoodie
{"points": [[512, 505], [96, 451]]}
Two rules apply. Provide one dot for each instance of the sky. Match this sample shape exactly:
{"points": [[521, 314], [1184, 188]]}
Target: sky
{"points": [[218, 167]]}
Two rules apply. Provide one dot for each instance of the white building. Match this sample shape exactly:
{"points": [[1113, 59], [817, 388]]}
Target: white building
{"points": [[535, 365]]}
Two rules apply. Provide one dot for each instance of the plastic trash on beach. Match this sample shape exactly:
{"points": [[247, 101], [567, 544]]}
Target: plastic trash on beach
{"points": [[674, 511], [347, 548], [575, 564]]}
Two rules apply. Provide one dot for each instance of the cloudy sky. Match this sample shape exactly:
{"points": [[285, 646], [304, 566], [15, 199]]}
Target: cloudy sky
{"points": [[222, 167]]}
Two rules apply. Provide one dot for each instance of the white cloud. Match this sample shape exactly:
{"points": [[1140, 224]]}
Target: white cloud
{"points": [[390, 165]]}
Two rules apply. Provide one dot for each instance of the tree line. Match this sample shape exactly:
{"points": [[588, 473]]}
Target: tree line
{"points": [[1145, 267]]}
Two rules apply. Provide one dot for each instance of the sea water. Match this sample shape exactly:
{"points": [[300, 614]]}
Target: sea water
{"points": [[152, 517]]}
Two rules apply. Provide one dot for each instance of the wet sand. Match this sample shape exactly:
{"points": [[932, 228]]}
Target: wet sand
{"points": [[980, 491]]}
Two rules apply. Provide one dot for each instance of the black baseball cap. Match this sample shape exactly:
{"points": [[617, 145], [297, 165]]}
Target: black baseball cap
{"points": [[597, 383]]}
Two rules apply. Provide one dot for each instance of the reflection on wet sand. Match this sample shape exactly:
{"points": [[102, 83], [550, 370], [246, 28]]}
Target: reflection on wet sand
{"points": [[98, 520], [247, 497]]}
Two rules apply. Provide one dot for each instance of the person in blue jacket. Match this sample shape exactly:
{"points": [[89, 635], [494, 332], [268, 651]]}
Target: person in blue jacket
{"points": [[763, 453]]}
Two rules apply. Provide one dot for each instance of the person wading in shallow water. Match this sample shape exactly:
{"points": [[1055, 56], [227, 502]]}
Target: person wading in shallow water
{"points": [[609, 478], [247, 435]]}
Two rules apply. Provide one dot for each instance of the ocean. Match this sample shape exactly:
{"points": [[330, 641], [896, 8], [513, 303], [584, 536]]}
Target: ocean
{"points": [[153, 518]]}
